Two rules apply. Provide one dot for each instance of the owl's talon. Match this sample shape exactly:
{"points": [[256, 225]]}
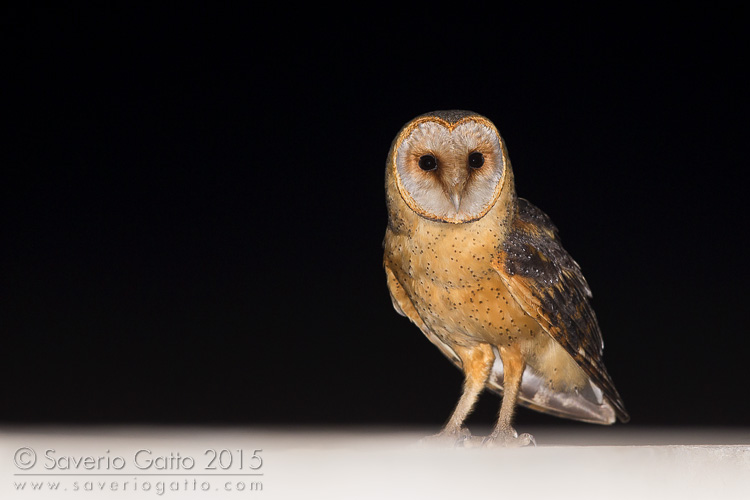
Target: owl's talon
{"points": [[508, 440], [527, 439], [452, 438]]}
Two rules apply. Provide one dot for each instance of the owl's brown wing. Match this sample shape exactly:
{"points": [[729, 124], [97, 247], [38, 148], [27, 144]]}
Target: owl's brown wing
{"points": [[549, 286]]}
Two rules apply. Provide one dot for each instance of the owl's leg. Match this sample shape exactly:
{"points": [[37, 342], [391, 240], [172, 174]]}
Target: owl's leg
{"points": [[477, 363], [504, 434]]}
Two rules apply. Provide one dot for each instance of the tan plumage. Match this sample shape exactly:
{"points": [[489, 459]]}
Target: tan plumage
{"points": [[482, 273]]}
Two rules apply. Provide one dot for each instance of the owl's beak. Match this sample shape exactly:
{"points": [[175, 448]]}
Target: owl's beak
{"points": [[453, 186], [456, 199]]}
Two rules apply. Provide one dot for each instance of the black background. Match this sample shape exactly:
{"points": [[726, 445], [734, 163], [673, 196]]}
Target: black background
{"points": [[193, 205]]}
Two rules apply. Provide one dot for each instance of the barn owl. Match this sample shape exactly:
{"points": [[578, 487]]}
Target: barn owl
{"points": [[483, 275]]}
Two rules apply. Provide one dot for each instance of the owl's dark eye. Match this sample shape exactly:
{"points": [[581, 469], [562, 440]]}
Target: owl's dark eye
{"points": [[476, 159], [427, 162]]}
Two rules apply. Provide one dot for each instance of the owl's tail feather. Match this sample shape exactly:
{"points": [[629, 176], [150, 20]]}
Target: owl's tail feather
{"points": [[586, 405]]}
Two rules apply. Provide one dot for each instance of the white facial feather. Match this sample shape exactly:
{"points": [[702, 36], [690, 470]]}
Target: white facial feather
{"points": [[431, 190]]}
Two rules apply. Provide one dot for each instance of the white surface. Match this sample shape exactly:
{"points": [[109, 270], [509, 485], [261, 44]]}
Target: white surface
{"points": [[370, 463]]}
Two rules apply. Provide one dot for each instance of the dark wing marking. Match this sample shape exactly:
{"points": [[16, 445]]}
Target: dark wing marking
{"points": [[549, 286]]}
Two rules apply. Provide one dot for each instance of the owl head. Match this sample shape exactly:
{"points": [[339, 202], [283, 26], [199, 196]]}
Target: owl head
{"points": [[449, 166]]}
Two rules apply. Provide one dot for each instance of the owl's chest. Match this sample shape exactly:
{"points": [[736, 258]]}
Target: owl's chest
{"points": [[449, 278]]}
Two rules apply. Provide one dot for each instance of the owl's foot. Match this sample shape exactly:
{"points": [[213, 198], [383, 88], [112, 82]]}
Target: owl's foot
{"points": [[508, 439], [448, 438]]}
